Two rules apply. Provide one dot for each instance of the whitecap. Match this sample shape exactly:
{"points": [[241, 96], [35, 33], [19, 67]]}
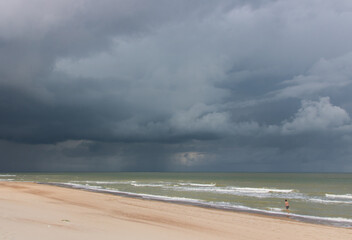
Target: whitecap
{"points": [[324, 201], [341, 196], [198, 184], [262, 190], [105, 182], [147, 185]]}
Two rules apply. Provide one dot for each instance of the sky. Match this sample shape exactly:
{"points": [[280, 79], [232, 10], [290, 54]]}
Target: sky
{"points": [[154, 85]]}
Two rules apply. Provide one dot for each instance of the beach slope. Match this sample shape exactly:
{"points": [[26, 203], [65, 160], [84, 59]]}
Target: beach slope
{"points": [[37, 211]]}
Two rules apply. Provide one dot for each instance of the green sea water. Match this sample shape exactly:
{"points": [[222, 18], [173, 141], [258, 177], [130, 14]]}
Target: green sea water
{"points": [[322, 198]]}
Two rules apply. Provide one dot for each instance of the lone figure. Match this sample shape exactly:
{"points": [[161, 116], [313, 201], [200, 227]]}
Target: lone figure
{"points": [[287, 206]]}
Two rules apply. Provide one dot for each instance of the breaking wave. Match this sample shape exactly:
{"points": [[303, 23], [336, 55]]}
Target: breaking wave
{"points": [[343, 196]]}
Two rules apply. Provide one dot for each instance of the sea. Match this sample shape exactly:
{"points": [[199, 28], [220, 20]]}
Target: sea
{"points": [[323, 198]]}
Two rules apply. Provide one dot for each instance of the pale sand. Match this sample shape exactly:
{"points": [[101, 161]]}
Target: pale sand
{"points": [[36, 211]]}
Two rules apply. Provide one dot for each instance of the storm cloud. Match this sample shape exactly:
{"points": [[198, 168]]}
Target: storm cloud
{"points": [[175, 85]]}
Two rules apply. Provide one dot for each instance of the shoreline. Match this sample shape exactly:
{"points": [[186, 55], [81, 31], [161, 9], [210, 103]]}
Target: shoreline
{"points": [[284, 216], [31, 210]]}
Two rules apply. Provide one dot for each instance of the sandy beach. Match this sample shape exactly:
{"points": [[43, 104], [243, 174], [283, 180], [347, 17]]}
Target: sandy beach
{"points": [[36, 211]]}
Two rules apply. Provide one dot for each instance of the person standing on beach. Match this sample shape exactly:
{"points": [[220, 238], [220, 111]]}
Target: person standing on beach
{"points": [[287, 205]]}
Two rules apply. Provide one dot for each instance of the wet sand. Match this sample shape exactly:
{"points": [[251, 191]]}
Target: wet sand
{"points": [[37, 211]]}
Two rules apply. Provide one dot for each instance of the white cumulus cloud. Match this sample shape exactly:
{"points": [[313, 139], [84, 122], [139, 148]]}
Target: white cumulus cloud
{"points": [[315, 116]]}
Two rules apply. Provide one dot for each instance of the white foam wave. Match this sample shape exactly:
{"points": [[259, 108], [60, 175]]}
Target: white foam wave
{"points": [[85, 186], [243, 191], [147, 185], [342, 196], [105, 182], [202, 187], [158, 197], [5, 180], [262, 190], [198, 184], [142, 195], [324, 201], [275, 209], [7, 175], [328, 219], [248, 190]]}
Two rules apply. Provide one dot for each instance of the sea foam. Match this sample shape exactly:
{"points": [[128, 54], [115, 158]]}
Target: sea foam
{"points": [[342, 196], [325, 201]]}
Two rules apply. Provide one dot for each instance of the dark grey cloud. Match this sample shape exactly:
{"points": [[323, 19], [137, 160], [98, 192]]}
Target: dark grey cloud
{"points": [[180, 85]]}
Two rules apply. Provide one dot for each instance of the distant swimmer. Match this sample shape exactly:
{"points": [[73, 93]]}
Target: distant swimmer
{"points": [[287, 206]]}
